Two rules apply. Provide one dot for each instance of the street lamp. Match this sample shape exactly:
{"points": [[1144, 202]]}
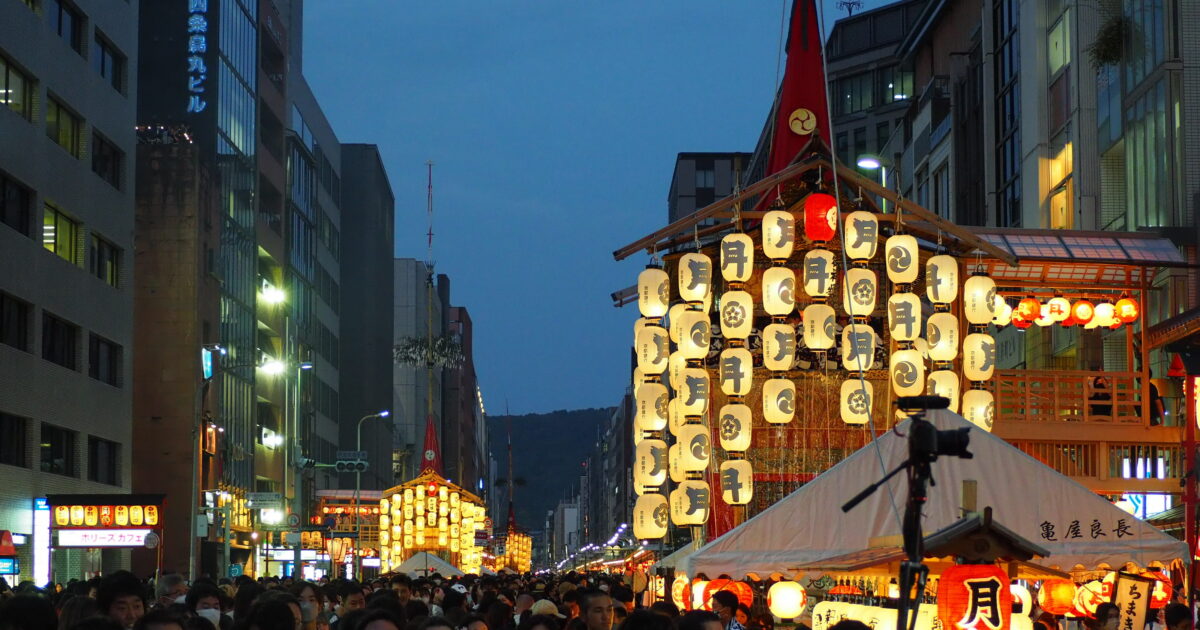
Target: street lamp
{"points": [[871, 162], [358, 491]]}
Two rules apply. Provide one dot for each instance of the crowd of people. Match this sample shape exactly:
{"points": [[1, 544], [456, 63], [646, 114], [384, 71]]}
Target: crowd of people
{"points": [[121, 601]]}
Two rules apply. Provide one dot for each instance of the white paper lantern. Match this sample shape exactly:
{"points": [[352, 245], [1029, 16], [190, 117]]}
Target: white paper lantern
{"points": [[650, 407], [941, 279], [779, 400], [650, 464], [695, 334], [650, 515], [691, 503], [675, 463], [904, 316], [695, 447], [1059, 308], [1105, 314], [675, 365], [859, 288], [695, 277], [787, 600], [819, 326], [902, 258], [735, 427], [1044, 318], [818, 273], [737, 314], [979, 408], [979, 356], [737, 482], [907, 371], [639, 376], [653, 349], [674, 321], [779, 291], [857, 398], [737, 257], [1004, 312], [778, 234], [979, 299], [735, 369], [861, 235], [944, 383], [694, 391], [858, 347], [654, 292], [941, 331], [779, 347], [675, 417]]}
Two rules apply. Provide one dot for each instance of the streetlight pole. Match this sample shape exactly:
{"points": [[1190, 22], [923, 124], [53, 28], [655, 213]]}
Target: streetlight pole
{"points": [[358, 493]]}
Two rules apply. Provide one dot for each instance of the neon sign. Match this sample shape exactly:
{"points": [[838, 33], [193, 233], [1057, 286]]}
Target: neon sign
{"points": [[197, 46]]}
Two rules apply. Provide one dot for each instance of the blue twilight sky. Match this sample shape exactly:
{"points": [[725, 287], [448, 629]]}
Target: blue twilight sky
{"points": [[554, 126]]}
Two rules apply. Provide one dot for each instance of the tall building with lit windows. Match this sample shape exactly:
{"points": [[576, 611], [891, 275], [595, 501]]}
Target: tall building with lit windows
{"points": [[68, 80]]}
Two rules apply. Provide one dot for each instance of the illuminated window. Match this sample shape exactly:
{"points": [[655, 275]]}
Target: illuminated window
{"points": [[16, 89], [1058, 43], [63, 127], [60, 235]]}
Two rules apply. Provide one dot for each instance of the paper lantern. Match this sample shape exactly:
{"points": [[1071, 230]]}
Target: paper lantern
{"points": [[1004, 312], [1058, 308], [1029, 308], [695, 334], [737, 314], [654, 293], [904, 316], [779, 347], [944, 383], [650, 516], [737, 482], [698, 600], [734, 426], [1022, 600], [1020, 322], [820, 217], [779, 291], [858, 347], [736, 371], [674, 322], [941, 279], [1106, 314], [786, 599], [681, 590], [902, 257], [858, 292], [653, 351], [779, 400], [1083, 311], [778, 234], [691, 502], [693, 394], [675, 462], [1044, 319], [818, 272], [650, 407], [974, 597], [1057, 596], [907, 372], [941, 331], [819, 326], [742, 590], [857, 398], [695, 277], [979, 299], [695, 447], [1127, 310], [979, 356], [861, 235], [979, 408], [650, 464], [675, 366], [1160, 596], [1088, 597], [737, 257]]}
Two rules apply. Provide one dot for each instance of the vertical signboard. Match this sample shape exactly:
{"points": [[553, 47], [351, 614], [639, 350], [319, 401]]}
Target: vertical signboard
{"points": [[1132, 597]]}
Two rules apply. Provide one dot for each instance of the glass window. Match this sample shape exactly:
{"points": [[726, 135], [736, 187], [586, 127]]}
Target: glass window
{"points": [[58, 451], [102, 461], [941, 192], [104, 360], [107, 160], [108, 62], [59, 341], [895, 84], [1058, 43], [881, 136], [63, 127], [16, 89], [67, 22], [105, 261], [61, 235], [14, 440], [15, 202], [14, 322]]}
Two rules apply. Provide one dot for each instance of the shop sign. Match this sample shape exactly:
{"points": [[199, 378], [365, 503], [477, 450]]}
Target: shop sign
{"points": [[974, 597], [1132, 598], [10, 566], [105, 515], [102, 537]]}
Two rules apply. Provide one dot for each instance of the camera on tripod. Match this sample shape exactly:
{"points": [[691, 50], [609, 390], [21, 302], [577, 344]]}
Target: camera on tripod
{"points": [[925, 442]]}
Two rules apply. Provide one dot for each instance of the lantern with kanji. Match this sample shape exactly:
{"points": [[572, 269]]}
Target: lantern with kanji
{"points": [[858, 347], [941, 279], [941, 331], [979, 299], [820, 217], [693, 392], [902, 258], [737, 257], [1127, 310], [974, 597], [979, 408], [1161, 595], [944, 383], [818, 273], [736, 314], [736, 371], [695, 277], [778, 234], [818, 326], [654, 293], [650, 516], [779, 347], [1057, 596], [861, 237], [979, 356], [1029, 308], [779, 400], [650, 464], [690, 502], [1059, 308], [779, 291], [736, 477], [904, 316], [653, 349], [786, 599], [650, 407]]}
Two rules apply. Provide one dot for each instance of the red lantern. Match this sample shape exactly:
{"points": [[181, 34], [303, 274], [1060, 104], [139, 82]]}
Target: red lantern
{"points": [[974, 597], [1127, 310], [681, 592], [820, 217], [1083, 311], [1020, 322], [1069, 321], [1057, 596], [742, 590], [1029, 308], [1161, 596]]}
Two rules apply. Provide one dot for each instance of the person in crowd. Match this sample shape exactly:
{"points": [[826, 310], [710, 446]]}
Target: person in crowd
{"points": [[388, 600], [437, 623], [243, 600], [454, 603], [546, 608], [75, 609], [646, 620], [204, 601], [402, 585], [121, 597], [596, 610], [273, 611], [378, 619], [742, 614], [27, 612], [158, 619], [349, 597], [311, 600], [623, 596], [541, 622], [1107, 616], [700, 620], [171, 589], [570, 599], [417, 609], [523, 604], [498, 616], [725, 604], [474, 622], [1176, 616], [666, 609]]}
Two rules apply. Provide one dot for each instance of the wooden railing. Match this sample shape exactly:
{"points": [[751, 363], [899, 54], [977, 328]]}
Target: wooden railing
{"points": [[1068, 395]]}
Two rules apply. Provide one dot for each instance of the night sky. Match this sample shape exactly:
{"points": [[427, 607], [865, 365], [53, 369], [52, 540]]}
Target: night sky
{"points": [[554, 126]]}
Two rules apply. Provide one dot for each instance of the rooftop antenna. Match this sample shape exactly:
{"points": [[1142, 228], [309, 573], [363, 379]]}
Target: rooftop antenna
{"points": [[849, 5]]}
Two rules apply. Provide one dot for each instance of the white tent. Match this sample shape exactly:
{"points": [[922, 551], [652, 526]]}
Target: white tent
{"points": [[675, 558], [1077, 526], [424, 563]]}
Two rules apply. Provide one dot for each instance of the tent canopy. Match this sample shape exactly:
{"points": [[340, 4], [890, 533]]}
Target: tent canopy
{"points": [[424, 563], [1077, 526]]}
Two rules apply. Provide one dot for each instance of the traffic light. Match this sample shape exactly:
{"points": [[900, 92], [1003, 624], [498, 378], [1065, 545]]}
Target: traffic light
{"points": [[350, 465]]}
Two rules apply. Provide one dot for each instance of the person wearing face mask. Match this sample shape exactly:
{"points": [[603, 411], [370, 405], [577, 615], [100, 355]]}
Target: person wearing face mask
{"points": [[312, 602], [171, 589], [204, 601], [121, 597]]}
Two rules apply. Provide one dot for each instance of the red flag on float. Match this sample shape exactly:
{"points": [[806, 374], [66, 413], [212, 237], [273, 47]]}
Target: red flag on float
{"points": [[432, 458], [802, 108]]}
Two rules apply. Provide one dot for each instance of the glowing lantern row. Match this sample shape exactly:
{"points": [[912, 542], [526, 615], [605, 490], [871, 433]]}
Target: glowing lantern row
{"points": [[1059, 310], [650, 516], [654, 293], [786, 600], [778, 234]]}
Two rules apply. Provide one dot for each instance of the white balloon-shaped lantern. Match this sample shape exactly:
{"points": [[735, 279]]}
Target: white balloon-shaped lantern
{"points": [[818, 273], [675, 417], [979, 299], [779, 400], [779, 291], [944, 383], [1004, 312], [1059, 308], [693, 391], [787, 599], [902, 258], [695, 277], [695, 447], [695, 333], [675, 365], [858, 347], [904, 316], [736, 314], [979, 408], [650, 464], [650, 515], [674, 321], [736, 371], [737, 257], [941, 331], [819, 326], [650, 407], [857, 399], [941, 279], [653, 349], [907, 371], [779, 347], [778, 234], [654, 292], [979, 356], [735, 426], [859, 288], [737, 481], [691, 503], [861, 235]]}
